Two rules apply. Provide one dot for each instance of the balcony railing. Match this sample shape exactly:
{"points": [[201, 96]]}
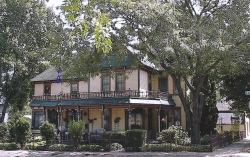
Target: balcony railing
{"points": [[106, 94]]}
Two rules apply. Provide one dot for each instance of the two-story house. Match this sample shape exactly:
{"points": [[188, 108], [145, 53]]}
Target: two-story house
{"points": [[140, 98]]}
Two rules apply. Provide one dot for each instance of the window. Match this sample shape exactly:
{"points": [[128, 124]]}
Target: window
{"points": [[38, 119], [119, 82], [136, 119], [177, 116], [150, 117], [175, 89], [105, 83], [74, 88], [163, 84], [46, 89]]}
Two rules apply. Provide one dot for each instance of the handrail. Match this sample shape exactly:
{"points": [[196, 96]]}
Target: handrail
{"points": [[104, 94]]}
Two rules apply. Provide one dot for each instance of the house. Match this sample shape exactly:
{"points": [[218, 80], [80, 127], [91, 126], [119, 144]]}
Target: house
{"points": [[139, 98], [227, 118]]}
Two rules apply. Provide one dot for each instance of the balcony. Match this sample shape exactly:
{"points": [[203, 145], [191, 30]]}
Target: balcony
{"points": [[106, 94]]}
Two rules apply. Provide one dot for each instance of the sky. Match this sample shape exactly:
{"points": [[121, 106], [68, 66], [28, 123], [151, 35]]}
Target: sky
{"points": [[54, 4]]}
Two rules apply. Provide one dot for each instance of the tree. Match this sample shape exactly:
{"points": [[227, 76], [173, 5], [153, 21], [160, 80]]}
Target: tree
{"points": [[48, 132], [210, 112], [187, 39], [28, 31], [22, 131], [235, 83]]}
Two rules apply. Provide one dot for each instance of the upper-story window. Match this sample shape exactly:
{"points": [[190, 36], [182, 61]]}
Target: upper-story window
{"points": [[177, 116], [47, 89], [105, 83], [175, 89], [74, 88], [120, 82]]}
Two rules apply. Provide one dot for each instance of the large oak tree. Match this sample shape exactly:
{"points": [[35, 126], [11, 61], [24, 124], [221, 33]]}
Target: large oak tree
{"points": [[188, 39]]}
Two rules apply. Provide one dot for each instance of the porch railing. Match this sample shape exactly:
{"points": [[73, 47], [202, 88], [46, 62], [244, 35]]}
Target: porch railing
{"points": [[106, 94]]}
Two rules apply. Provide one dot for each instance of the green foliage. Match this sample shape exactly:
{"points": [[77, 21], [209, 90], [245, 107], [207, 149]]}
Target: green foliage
{"points": [[63, 147], [14, 116], [205, 140], [3, 132], [48, 132], [11, 146], [210, 111], [115, 147], [22, 131], [76, 131], [167, 147], [135, 139], [29, 30], [175, 133], [114, 137]]}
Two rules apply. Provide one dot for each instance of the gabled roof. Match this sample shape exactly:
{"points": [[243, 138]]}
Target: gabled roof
{"points": [[48, 75]]}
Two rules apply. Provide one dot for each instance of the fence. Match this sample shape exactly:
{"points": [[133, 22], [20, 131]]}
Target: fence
{"points": [[220, 140]]}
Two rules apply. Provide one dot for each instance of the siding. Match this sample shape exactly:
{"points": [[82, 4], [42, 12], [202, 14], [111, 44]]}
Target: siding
{"points": [[95, 84], [95, 113], [83, 86], [143, 80], [132, 81], [119, 112], [38, 89]]}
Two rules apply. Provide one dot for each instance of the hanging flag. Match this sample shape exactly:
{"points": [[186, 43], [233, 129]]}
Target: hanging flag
{"points": [[58, 79]]}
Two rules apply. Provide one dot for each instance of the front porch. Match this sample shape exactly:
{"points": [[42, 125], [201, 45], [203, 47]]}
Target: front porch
{"points": [[153, 112]]}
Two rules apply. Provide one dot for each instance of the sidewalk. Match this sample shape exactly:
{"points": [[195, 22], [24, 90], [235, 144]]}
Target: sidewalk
{"points": [[233, 150]]}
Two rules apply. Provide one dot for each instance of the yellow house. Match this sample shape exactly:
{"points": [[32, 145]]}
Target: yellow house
{"points": [[139, 98]]}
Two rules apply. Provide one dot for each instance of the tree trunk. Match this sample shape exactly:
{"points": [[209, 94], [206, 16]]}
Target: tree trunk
{"points": [[4, 111], [195, 128]]}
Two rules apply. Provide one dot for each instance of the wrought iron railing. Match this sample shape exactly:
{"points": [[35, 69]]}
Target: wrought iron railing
{"points": [[106, 94]]}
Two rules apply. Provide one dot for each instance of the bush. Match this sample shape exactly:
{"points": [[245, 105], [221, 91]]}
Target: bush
{"points": [[167, 147], [114, 137], [22, 131], [3, 132], [48, 132], [16, 115], [115, 147], [175, 132], [76, 130], [205, 140], [11, 146], [135, 139]]}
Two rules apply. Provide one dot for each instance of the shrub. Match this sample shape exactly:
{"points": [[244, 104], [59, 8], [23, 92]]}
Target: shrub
{"points": [[22, 131], [115, 147], [205, 140], [175, 132], [167, 147], [11, 146], [114, 137], [91, 148], [135, 139], [48, 132], [3, 132], [76, 130], [16, 115]]}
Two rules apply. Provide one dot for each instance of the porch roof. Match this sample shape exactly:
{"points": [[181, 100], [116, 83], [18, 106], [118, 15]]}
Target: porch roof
{"points": [[44, 103], [103, 101]]}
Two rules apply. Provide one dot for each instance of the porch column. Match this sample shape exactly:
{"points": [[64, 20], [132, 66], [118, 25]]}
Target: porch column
{"points": [[159, 122], [46, 114], [129, 119], [102, 119]]}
